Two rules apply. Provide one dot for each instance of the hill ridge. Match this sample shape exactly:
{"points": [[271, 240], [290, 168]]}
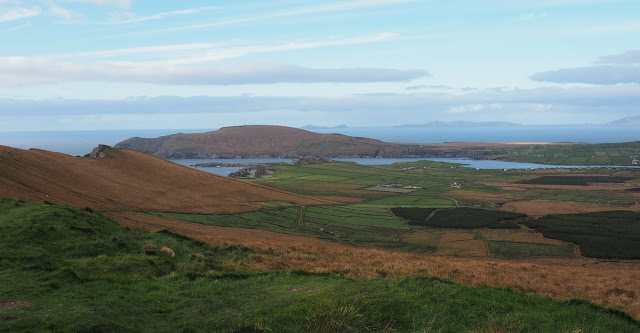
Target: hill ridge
{"points": [[260, 141], [129, 180]]}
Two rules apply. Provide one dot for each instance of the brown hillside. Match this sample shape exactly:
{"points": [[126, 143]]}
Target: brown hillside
{"points": [[127, 180], [259, 140]]}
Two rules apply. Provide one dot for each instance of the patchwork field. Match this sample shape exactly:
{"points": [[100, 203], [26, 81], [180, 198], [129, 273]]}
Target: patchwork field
{"points": [[305, 231]]}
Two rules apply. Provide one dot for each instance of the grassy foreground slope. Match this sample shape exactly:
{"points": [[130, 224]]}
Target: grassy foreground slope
{"points": [[75, 270], [128, 180]]}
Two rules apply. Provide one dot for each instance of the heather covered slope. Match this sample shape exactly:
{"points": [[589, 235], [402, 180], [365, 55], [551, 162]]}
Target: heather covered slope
{"points": [[127, 180], [260, 140]]}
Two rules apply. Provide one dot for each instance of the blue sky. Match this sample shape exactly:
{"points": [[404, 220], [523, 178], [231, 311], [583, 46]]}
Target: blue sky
{"points": [[132, 64]]}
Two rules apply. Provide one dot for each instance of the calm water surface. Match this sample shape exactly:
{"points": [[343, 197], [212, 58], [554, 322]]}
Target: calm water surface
{"points": [[478, 164]]}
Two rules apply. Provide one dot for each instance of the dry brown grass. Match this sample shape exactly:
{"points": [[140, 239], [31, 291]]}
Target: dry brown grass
{"points": [[609, 283], [422, 237], [128, 180], [518, 235], [456, 236]]}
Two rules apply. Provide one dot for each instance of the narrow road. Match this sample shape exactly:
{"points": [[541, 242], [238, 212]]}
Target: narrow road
{"points": [[303, 210], [455, 202]]}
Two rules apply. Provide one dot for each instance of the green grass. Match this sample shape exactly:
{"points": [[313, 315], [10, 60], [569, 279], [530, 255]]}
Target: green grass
{"points": [[519, 250], [573, 180], [357, 225], [614, 234], [81, 272], [576, 154]]}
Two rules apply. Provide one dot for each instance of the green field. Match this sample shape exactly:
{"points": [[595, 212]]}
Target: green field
{"points": [[357, 225], [573, 154], [573, 180], [77, 271], [614, 234], [458, 218]]}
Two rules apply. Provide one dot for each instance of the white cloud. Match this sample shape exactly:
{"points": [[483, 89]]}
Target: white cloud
{"points": [[116, 3], [30, 70], [474, 108], [617, 28], [327, 8], [531, 16], [629, 57], [240, 51], [194, 53], [130, 18], [592, 75], [19, 27], [18, 13], [63, 13], [146, 50], [617, 69], [504, 104], [541, 107]]}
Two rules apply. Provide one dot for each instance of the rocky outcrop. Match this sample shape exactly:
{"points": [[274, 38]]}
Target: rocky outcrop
{"points": [[258, 171], [310, 160], [99, 152]]}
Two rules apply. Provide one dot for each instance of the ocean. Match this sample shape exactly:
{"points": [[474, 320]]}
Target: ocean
{"points": [[79, 143]]}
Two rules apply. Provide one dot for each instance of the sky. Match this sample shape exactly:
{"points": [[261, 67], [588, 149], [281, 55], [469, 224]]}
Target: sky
{"points": [[142, 64]]}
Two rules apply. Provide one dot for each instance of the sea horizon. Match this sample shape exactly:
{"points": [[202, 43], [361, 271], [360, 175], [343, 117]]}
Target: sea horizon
{"points": [[82, 142]]}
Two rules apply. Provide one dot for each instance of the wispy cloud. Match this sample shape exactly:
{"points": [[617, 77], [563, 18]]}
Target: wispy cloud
{"points": [[326, 8], [576, 101], [116, 3], [64, 14], [17, 13], [531, 16], [160, 49], [160, 16], [236, 52], [629, 57], [474, 108], [437, 87], [621, 27], [18, 27], [592, 75], [195, 53], [24, 71], [615, 69]]}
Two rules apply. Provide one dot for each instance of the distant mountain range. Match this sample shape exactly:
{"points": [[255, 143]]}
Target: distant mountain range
{"points": [[629, 121]]}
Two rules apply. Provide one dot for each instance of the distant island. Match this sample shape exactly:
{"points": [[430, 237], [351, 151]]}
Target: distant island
{"points": [[256, 141], [266, 141], [628, 121], [463, 124]]}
